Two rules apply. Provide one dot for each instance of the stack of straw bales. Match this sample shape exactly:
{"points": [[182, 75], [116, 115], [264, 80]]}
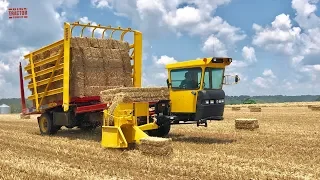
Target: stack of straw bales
{"points": [[156, 146], [237, 108], [95, 65], [255, 109], [249, 124]]}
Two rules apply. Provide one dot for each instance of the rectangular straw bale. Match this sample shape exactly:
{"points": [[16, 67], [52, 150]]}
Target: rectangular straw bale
{"points": [[136, 94], [80, 42], [94, 42], [95, 77], [115, 63], [94, 90], [120, 45], [78, 84], [236, 108], [94, 62], [105, 43], [255, 109], [249, 124], [156, 146], [315, 108]]}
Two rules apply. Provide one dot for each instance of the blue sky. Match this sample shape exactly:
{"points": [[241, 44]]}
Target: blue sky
{"points": [[275, 44]]}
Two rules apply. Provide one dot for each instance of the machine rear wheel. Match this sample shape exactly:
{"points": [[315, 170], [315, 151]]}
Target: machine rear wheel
{"points": [[45, 122], [161, 131]]}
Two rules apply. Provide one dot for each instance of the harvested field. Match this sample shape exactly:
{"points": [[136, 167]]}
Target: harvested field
{"points": [[286, 146]]}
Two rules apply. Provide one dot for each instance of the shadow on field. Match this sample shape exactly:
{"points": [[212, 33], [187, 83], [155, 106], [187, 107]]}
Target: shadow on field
{"points": [[199, 140], [74, 134]]}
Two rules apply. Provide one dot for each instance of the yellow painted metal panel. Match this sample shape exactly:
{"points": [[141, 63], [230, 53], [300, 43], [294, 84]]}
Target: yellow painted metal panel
{"points": [[137, 59], [45, 81], [183, 101], [66, 73], [49, 93], [45, 48], [197, 63], [34, 82], [43, 62], [43, 72], [141, 109]]}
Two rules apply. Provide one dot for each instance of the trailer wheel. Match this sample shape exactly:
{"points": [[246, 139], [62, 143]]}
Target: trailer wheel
{"points": [[46, 126], [161, 131]]}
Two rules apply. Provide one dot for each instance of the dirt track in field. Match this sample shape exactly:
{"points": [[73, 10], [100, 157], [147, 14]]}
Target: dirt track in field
{"points": [[286, 146]]}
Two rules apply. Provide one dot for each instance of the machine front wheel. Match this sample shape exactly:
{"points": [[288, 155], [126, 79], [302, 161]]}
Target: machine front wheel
{"points": [[46, 126], [161, 131]]}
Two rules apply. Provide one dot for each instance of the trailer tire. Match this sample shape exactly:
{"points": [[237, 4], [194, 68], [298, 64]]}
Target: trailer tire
{"points": [[162, 131], [46, 126]]}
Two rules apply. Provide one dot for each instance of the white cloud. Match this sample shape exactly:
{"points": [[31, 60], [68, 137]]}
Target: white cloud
{"points": [[281, 36], [164, 60], [248, 53], [167, 15], [101, 3], [268, 73], [300, 44], [185, 16], [214, 47], [261, 82], [305, 15], [9, 64], [4, 4], [43, 26]]}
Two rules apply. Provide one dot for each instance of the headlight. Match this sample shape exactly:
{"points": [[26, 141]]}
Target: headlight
{"points": [[206, 101], [222, 100], [211, 101]]}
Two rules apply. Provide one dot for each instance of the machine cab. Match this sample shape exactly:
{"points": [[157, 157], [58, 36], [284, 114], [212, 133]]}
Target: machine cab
{"points": [[196, 88]]}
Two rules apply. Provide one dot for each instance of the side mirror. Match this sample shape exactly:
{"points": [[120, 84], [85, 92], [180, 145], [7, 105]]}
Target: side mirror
{"points": [[228, 81], [236, 79]]}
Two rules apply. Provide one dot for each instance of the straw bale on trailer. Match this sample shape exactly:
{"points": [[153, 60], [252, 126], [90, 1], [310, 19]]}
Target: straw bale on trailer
{"points": [[133, 94], [95, 65], [156, 146], [249, 124]]}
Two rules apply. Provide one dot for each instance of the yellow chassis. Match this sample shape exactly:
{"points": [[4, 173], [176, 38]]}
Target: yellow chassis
{"points": [[125, 129]]}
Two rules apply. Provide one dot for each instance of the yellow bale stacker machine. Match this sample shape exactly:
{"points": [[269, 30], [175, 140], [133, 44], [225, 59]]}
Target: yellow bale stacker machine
{"points": [[62, 97]]}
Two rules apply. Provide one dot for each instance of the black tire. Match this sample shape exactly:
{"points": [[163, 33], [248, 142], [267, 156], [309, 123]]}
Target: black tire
{"points": [[46, 126], [161, 131]]}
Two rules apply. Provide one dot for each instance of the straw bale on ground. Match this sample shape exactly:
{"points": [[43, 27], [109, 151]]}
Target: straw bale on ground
{"points": [[315, 108], [156, 146], [255, 109], [236, 108], [249, 124]]}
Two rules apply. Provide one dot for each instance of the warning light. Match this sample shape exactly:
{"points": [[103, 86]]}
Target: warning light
{"points": [[205, 60]]}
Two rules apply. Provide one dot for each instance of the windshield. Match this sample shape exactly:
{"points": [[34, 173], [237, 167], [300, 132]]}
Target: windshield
{"points": [[213, 78], [188, 78]]}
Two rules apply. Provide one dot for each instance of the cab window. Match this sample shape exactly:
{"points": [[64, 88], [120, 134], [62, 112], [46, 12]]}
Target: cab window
{"points": [[213, 78], [188, 78]]}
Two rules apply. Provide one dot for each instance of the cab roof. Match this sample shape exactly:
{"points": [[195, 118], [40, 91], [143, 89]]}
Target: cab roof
{"points": [[219, 61]]}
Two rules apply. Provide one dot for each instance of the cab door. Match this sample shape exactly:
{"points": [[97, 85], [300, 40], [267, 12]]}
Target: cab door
{"points": [[184, 99]]}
